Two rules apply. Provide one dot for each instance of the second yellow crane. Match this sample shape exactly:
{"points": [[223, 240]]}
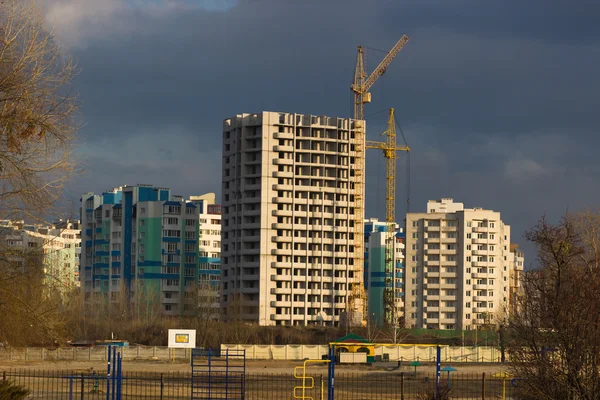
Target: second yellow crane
{"points": [[390, 148]]}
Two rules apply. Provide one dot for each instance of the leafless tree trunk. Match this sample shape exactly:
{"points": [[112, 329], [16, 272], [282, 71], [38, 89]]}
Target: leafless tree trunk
{"points": [[37, 111], [37, 127]]}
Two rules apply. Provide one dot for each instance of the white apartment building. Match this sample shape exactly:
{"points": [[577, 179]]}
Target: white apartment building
{"points": [[517, 266], [288, 232], [209, 256], [458, 267]]}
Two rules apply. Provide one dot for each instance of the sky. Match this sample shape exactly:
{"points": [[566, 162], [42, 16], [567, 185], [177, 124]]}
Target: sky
{"points": [[497, 100]]}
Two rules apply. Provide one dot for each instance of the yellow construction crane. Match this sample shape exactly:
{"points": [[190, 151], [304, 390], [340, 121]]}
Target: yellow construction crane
{"points": [[390, 149], [360, 87]]}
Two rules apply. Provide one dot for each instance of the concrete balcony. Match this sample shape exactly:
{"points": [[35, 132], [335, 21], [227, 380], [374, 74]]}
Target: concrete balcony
{"points": [[280, 304], [282, 213], [284, 226], [449, 228], [480, 252], [481, 309], [281, 265], [280, 317], [284, 239], [283, 200], [282, 252], [283, 135], [281, 291], [449, 263], [283, 174], [276, 278], [479, 275], [480, 286], [448, 285], [449, 252], [430, 228], [253, 186], [283, 161], [480, 229], [283, 187], [480, 263], [482, 241], [288, 149], [448, 275], [481, 298], [449, 240]]}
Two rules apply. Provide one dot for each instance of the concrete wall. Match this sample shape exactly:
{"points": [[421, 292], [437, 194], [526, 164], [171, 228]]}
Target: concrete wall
{"points": [[253, 352]]}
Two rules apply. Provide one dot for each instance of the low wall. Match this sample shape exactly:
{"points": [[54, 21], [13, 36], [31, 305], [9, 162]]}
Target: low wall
{"points": [[92, 354], [253, 352], [395, 353]]}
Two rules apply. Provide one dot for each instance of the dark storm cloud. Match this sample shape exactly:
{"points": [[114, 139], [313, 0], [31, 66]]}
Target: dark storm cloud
{"points": [[498, 100]]}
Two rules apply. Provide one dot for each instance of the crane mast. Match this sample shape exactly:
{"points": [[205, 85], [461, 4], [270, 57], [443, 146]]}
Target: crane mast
{"points": [[361, 85], [390, 150]]}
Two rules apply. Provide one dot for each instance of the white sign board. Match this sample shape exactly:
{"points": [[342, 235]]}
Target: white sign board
{"points": [[182, 338]]}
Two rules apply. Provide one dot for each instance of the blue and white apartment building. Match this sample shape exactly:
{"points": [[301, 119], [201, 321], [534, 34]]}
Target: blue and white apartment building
{"points": [[376, 234], [140, 250]]}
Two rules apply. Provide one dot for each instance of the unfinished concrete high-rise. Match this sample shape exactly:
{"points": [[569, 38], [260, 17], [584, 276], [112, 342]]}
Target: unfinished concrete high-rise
{"points": [[288, 218]]}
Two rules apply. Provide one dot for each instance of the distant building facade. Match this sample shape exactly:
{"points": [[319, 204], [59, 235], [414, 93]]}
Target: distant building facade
{"points": [[57, 247], [517, 266], [458, 267], [376, 236], [209, 267], [140, 250]]}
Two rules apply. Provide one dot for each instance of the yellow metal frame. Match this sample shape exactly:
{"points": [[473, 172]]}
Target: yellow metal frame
{"points": [[304, 378]]}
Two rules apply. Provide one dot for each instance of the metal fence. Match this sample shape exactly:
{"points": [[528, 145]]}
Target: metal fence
{"points": [[71, 385]]}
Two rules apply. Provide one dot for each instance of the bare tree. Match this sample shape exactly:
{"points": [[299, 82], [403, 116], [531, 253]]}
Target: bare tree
{"points": [[556, 346], [37, 111]]}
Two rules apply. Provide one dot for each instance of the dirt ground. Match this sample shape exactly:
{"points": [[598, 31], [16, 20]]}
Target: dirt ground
{"points": [[252, 366]]}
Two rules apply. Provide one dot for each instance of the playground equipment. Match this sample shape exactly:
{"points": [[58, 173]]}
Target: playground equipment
{"points": [[218, 376], [330, 361], [114, 377], [304, 387]]}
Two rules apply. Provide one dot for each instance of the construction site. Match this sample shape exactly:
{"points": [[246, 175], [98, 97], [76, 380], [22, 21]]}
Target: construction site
{"points": [[294, 207]]}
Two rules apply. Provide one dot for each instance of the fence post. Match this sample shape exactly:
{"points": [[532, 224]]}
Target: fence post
{"points": [[483, 386], [3, 376], [401, 385], [82, 386], [89, 354], [162, 385]]}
